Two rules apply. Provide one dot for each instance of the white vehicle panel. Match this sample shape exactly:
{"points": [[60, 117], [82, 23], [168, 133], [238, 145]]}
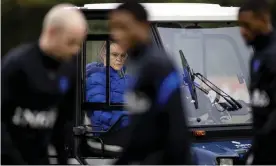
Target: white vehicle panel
{"points": [[180, 11]]}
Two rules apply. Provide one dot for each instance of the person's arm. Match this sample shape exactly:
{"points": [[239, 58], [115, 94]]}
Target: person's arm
{"points": [[264, 136], [162, 128], [62, 133], [142, 136], [144, 118], [62, 137], [10, 75], [59, 137], [96, 92], [95, 88], [178, 145], [142, 139], [270, 126], [177, 148]]}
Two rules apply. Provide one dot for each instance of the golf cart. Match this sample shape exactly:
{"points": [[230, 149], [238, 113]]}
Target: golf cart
{"points": [[203, 41]]}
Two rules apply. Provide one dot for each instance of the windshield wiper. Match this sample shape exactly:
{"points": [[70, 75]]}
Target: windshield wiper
{"points": [[234, 103], [190, 78]]}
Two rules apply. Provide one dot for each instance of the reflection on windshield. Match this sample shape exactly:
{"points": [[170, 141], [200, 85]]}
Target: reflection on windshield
{"points": [[222, 57]]}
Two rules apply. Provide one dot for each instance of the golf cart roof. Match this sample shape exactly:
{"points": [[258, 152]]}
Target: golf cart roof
{"points": [[180, 11]]}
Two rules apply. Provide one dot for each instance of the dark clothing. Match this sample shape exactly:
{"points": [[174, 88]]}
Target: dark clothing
{"points": [[157, 118], [37, 100], [263, 99]]}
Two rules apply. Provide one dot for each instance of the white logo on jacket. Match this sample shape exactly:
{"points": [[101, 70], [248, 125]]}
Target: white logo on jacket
{"points": [[259, 98], [137, 102], [35, 119]]}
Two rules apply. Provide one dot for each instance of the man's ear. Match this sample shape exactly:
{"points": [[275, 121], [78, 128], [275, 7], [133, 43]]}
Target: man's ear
{"points": [[262, 16], [54, 30], [145, 24]]}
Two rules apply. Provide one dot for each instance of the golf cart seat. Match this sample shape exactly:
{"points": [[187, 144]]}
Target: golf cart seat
{"points": [[103, 149], [109, 150], [104, 145]]}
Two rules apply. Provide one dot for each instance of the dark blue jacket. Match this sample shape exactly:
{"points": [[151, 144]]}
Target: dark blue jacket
{"points": [[96, 92]]}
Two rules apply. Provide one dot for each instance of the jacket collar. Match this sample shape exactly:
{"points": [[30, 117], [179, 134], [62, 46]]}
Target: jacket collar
{"points": [[102, 68], [116, 73]]}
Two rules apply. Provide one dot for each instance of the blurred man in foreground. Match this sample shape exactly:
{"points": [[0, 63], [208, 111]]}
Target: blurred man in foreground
{"points": [[38, 89], [154, 100], [256, 28]]}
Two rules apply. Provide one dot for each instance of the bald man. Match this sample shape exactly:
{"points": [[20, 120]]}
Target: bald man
{"points": [[38, 89]]}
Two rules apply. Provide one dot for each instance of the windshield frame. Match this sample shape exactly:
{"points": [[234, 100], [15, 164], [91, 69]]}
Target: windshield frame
{"points": [[235, 126]]}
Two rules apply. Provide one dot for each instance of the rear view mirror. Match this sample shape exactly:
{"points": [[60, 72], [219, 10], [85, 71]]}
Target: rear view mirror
{"points": [[193, 27], [169, 25]]}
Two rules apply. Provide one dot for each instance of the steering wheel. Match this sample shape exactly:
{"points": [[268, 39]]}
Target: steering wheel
{"points": [[219, 114], [213, 96], [226, 117]]}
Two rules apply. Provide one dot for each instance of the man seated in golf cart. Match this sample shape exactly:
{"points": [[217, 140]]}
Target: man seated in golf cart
{"points": [[96, 88]]}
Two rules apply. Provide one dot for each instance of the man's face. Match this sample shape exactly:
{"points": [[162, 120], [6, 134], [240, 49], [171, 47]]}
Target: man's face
{"points": [[124, 29], [251, 25], [68, 42], [117, 57]]}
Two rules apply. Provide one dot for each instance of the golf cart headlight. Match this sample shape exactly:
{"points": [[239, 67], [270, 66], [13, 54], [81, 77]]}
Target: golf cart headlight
{"points": [[225, 162]]}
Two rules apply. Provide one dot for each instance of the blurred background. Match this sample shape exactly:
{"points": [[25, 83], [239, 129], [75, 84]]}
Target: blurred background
{"points": [[22, 19]]}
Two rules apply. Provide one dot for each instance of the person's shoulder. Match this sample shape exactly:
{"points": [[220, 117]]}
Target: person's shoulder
{"points": [[271, 49], [93, 68], [17, 54], [272, 46], [161, 55], [160, 61], [270, 54], [94, 64], [97, 77]]}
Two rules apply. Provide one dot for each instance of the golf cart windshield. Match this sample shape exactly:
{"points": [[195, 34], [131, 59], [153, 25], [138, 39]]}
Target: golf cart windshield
{"points": [[216, 52]]}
